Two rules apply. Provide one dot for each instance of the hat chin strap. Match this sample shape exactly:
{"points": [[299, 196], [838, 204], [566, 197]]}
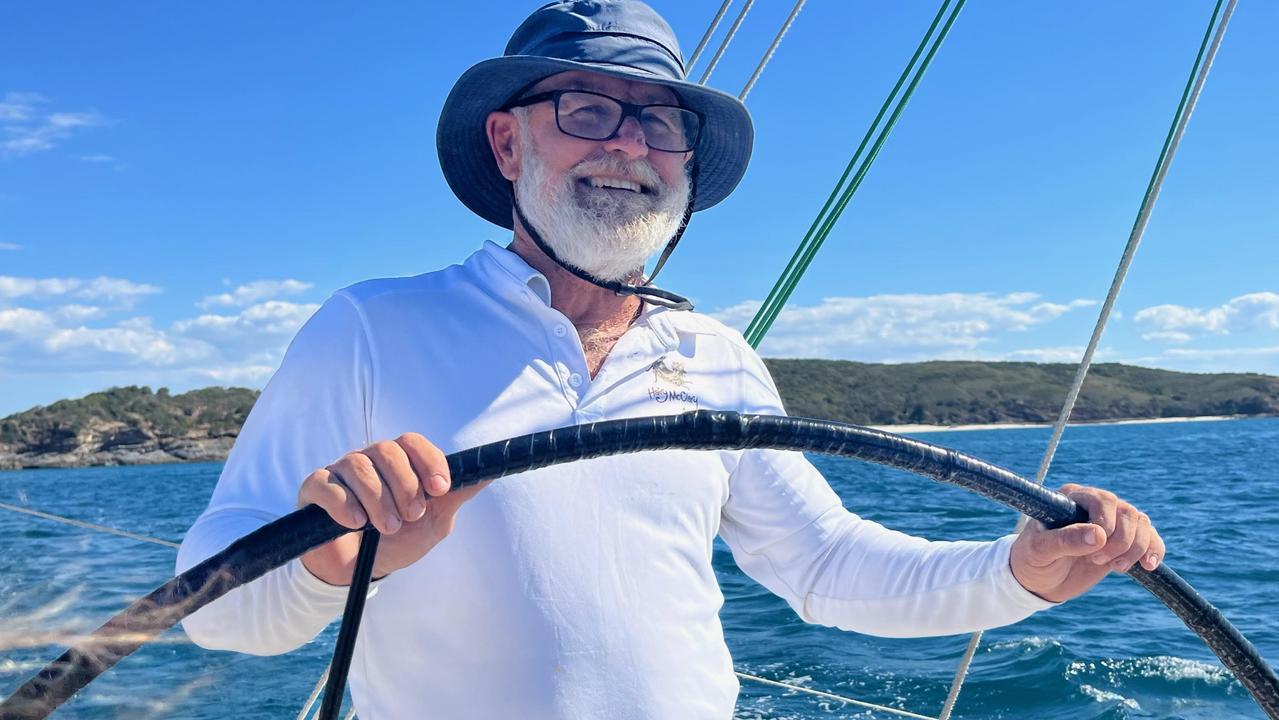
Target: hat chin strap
{"points": [[645, 292]]}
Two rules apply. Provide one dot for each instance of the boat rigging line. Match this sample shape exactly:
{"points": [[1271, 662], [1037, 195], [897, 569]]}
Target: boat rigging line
{"points": [[706, 37], [833, 208], [87, 525], [280, 541], [768, 54], [728, 38], [1181, 118]]}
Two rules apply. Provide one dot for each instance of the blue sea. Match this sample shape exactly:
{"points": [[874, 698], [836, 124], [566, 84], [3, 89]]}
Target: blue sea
{"points": [[1211, 487]]}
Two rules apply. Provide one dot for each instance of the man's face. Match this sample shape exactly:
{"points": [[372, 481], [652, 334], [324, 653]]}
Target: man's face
{"points": [[562, 152], [602, 205]]}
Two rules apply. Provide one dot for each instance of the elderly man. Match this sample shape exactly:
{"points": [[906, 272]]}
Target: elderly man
{"points": [[586, 590]]}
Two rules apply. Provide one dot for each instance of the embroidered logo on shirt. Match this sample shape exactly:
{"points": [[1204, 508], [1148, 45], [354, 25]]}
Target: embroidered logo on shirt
{"points": [[671, 373]]}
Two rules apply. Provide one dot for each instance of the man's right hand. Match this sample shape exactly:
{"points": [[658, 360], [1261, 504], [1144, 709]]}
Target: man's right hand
{"points": [[402, 487]]}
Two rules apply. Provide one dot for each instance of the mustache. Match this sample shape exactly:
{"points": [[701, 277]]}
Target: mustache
{"points": [[639, 171]]}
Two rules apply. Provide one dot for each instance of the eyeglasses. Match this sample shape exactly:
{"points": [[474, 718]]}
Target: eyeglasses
{"points": [[592, 116]]}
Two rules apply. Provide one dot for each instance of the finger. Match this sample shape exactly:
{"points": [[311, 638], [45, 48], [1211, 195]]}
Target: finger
{"points": [[1140, 546], [428, 462], [1071, 541], [1127, 520], [324, 489], [397, 472], [1100, 504], [1155, 553], [358, 473]]}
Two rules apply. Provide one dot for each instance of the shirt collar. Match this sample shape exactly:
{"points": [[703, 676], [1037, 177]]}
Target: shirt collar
{"points": [[505, 262], [514, 266]]}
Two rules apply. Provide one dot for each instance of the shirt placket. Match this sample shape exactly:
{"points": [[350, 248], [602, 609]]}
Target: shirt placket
{"points": [[634, 352]]}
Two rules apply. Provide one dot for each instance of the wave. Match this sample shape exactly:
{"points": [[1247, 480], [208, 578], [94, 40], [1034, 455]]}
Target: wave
{"points": [[1167, 668]]}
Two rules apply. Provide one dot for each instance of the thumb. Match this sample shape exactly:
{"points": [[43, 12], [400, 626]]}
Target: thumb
{"points": [[1071, 541], [446, 506]]}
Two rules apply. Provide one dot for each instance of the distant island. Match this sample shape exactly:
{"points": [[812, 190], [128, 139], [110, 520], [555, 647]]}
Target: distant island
{"points": [[133, 425]]}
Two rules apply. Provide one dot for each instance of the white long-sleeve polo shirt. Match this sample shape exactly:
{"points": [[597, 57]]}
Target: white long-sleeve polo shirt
{"points": [[577, 591]]}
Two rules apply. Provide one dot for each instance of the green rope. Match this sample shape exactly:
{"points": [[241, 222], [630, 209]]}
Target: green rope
{"points": [[833, 208]]}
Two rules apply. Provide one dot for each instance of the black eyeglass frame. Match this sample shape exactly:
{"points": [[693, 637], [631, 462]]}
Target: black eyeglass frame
{"points": [[628, 110]]}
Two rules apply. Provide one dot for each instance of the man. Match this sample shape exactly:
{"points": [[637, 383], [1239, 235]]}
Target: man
{"points": [[586, 590]]}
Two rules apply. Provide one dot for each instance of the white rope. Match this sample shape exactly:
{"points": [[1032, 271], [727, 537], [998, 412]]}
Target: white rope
{"points": [[833, 696], [1130, 250], [350, 713], [768, 55], [707, 37], [87, 525], [732, 31], [961, 673]]}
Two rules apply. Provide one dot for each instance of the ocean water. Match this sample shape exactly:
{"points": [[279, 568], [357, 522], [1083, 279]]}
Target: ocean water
{"points": [[1211, 487]]}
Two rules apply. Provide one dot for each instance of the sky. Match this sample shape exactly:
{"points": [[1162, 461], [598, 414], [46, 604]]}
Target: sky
{"points": [[182, 184]]}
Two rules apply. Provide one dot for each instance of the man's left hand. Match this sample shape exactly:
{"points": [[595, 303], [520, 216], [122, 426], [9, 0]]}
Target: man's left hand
{"points": [[1059, 564]]}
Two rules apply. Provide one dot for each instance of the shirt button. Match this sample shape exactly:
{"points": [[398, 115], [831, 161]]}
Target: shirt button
{"points": [[560, 331], [575, 380]]}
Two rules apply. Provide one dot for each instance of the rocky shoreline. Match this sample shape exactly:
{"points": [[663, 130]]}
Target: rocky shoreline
{"points": [[135, 426], [126, 426], [158, 452]]}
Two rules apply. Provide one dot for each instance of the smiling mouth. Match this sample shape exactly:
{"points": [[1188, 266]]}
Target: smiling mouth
{"points": [[615, 185]]}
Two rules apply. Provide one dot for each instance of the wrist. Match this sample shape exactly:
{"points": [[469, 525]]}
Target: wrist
{"points": [[325, 570]]}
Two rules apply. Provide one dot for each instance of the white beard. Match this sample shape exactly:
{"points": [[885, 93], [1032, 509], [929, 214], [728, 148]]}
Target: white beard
{"points": [[607, 233]]}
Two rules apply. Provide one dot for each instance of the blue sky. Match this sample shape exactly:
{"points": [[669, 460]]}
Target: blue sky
{"points": [[181, 184]]}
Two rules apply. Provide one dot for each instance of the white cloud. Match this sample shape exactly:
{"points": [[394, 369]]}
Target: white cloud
{"points": [[237, 374], [1051, 355], [1179, 324], [1222, 353], [10, 246], [64, 327], [19, 106], [78, 313], [28, 127], [25, 322], [97, 158], [134, 339], [1259, 359], [266, 324], [16, 287], [240, 347], [115, 290], [897, 328], [255, 292]]}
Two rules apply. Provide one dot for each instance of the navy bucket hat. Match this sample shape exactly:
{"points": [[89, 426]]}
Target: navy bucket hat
{"points": [[621, 38]]}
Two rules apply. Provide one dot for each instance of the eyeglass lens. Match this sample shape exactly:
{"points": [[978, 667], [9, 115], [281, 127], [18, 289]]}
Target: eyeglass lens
{"points": [[598, 117]]}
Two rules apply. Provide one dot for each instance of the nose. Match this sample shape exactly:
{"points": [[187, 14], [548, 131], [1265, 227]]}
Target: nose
{"points": [[629, 139]]}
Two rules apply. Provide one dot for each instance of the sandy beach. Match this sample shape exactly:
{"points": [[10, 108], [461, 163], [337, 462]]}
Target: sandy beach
{"points": [[913, 429]]}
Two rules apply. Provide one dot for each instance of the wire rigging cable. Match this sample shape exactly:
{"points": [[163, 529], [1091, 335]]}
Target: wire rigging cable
{"points": [[1189, 97], [87, 525], [768, 54], [282, 540], [841, 195], [732, 31], [706, 38]]}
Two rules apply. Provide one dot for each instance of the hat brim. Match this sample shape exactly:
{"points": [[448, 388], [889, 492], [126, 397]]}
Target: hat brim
{"points": [[722, 153]]}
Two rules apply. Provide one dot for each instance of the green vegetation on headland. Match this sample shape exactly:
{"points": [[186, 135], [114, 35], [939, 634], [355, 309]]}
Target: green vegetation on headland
{"points": [[972, 393], [126, 426], [134, 425]]}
